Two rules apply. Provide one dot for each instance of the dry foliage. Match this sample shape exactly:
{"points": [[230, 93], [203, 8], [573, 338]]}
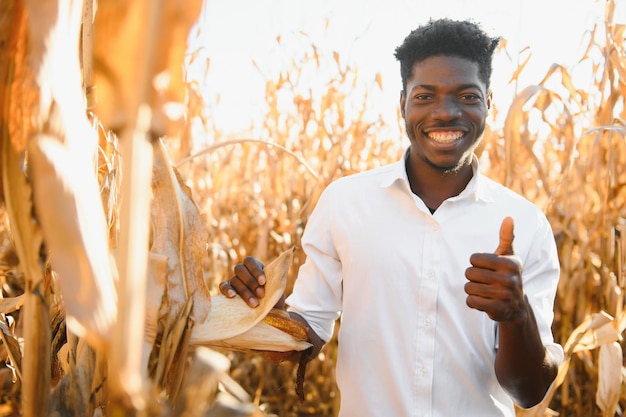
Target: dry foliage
{"points": [[561, 145], [113, 313]]}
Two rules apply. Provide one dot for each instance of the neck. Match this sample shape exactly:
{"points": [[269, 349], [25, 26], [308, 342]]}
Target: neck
{"points": [[434, 185]]}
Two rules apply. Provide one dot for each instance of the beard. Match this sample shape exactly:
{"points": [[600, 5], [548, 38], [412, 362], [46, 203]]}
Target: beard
{"points": [[464, 160], [452, 169]]}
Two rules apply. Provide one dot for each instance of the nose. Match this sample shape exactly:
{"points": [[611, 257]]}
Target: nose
{"points": [[447, 108]]}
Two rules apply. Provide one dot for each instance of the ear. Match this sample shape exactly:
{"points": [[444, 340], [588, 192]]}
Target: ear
{"points": [[489, 98], [402, 102]]}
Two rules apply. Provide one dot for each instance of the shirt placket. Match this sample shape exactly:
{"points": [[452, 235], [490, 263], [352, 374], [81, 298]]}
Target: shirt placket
{"points": [[426, 321]]}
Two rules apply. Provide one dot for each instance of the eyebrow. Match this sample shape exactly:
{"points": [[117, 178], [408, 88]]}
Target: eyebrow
{"points": [[433, 88]]}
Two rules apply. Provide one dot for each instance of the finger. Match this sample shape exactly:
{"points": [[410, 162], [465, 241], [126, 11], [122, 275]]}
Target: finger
{"points": [[487, 291], [480, 275], [248, 274], [505, 247], [256, 268], [494, 262], [227, 289], [244, 292], [481, 304]]}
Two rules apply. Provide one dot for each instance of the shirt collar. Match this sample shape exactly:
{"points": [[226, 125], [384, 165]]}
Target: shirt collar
{"points": [[476, 189]]}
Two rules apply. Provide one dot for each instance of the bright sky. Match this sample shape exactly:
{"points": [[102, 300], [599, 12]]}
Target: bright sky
{"points": [[366, 32]]}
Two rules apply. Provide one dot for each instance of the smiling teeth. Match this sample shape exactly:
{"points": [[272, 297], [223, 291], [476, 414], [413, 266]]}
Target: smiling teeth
{"points": [[445, 137]]}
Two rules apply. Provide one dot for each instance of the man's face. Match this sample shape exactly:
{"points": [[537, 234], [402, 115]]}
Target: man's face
{"points": [[444, 110]]}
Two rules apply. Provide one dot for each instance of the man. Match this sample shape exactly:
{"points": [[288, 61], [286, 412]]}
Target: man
{"points": [[433, 321]]}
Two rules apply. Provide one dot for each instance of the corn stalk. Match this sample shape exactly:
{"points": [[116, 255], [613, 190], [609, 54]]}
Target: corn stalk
{"points": [[83, 311]]}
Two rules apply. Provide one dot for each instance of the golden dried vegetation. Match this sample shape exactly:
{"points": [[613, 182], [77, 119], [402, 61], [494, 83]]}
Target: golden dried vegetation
{"points": [[82, 267]]}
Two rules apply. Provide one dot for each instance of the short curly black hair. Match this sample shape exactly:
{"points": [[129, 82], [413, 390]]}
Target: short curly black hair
{"points": [[462, 38]]}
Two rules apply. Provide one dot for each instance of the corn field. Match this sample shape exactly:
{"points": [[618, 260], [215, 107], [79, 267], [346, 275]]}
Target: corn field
{"points": [[118, 222]]}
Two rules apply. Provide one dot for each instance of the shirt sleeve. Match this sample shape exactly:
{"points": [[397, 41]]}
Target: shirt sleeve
{"points": [[540, 279], [317, 292]]}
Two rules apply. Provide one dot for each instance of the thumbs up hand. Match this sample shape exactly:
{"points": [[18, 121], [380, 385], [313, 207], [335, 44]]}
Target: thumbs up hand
{"points": [[495, 280]]}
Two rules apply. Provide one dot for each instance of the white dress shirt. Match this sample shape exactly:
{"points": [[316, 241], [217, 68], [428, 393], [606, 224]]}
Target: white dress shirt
{"points": [[408, 344]]}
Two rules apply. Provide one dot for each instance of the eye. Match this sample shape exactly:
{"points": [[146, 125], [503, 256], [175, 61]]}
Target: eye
{"points": [[422, 97], [470, 98]]}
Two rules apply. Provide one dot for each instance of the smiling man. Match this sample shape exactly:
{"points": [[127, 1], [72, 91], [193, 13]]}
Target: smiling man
{"points": [[444, 105], [445, 311]]}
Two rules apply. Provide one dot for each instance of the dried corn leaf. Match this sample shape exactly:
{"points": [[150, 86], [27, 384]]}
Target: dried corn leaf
{"points": [[597, 337], [609, 378], [168, 361], [72, 218], [516, 75], [80, 390], [157, 278], [180, 235], [12, 346], [594, 331], [9, 305]]}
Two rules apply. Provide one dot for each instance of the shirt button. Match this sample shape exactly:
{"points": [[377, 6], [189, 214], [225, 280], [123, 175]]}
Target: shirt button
{"points": [[423, 371], [435, 226], [427, 323]]}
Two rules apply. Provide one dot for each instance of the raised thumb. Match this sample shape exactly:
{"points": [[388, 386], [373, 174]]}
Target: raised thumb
{"points": [[505, 247]]}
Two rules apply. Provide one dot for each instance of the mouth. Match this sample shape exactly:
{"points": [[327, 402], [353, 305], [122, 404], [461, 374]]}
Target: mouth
{"points": [[445, 137]]}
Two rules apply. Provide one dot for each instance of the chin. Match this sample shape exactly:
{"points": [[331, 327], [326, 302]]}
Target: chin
{"points": [[449, 168]]}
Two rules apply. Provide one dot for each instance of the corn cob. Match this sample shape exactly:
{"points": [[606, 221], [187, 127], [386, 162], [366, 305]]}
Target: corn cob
{"points": [[280, 319]]}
